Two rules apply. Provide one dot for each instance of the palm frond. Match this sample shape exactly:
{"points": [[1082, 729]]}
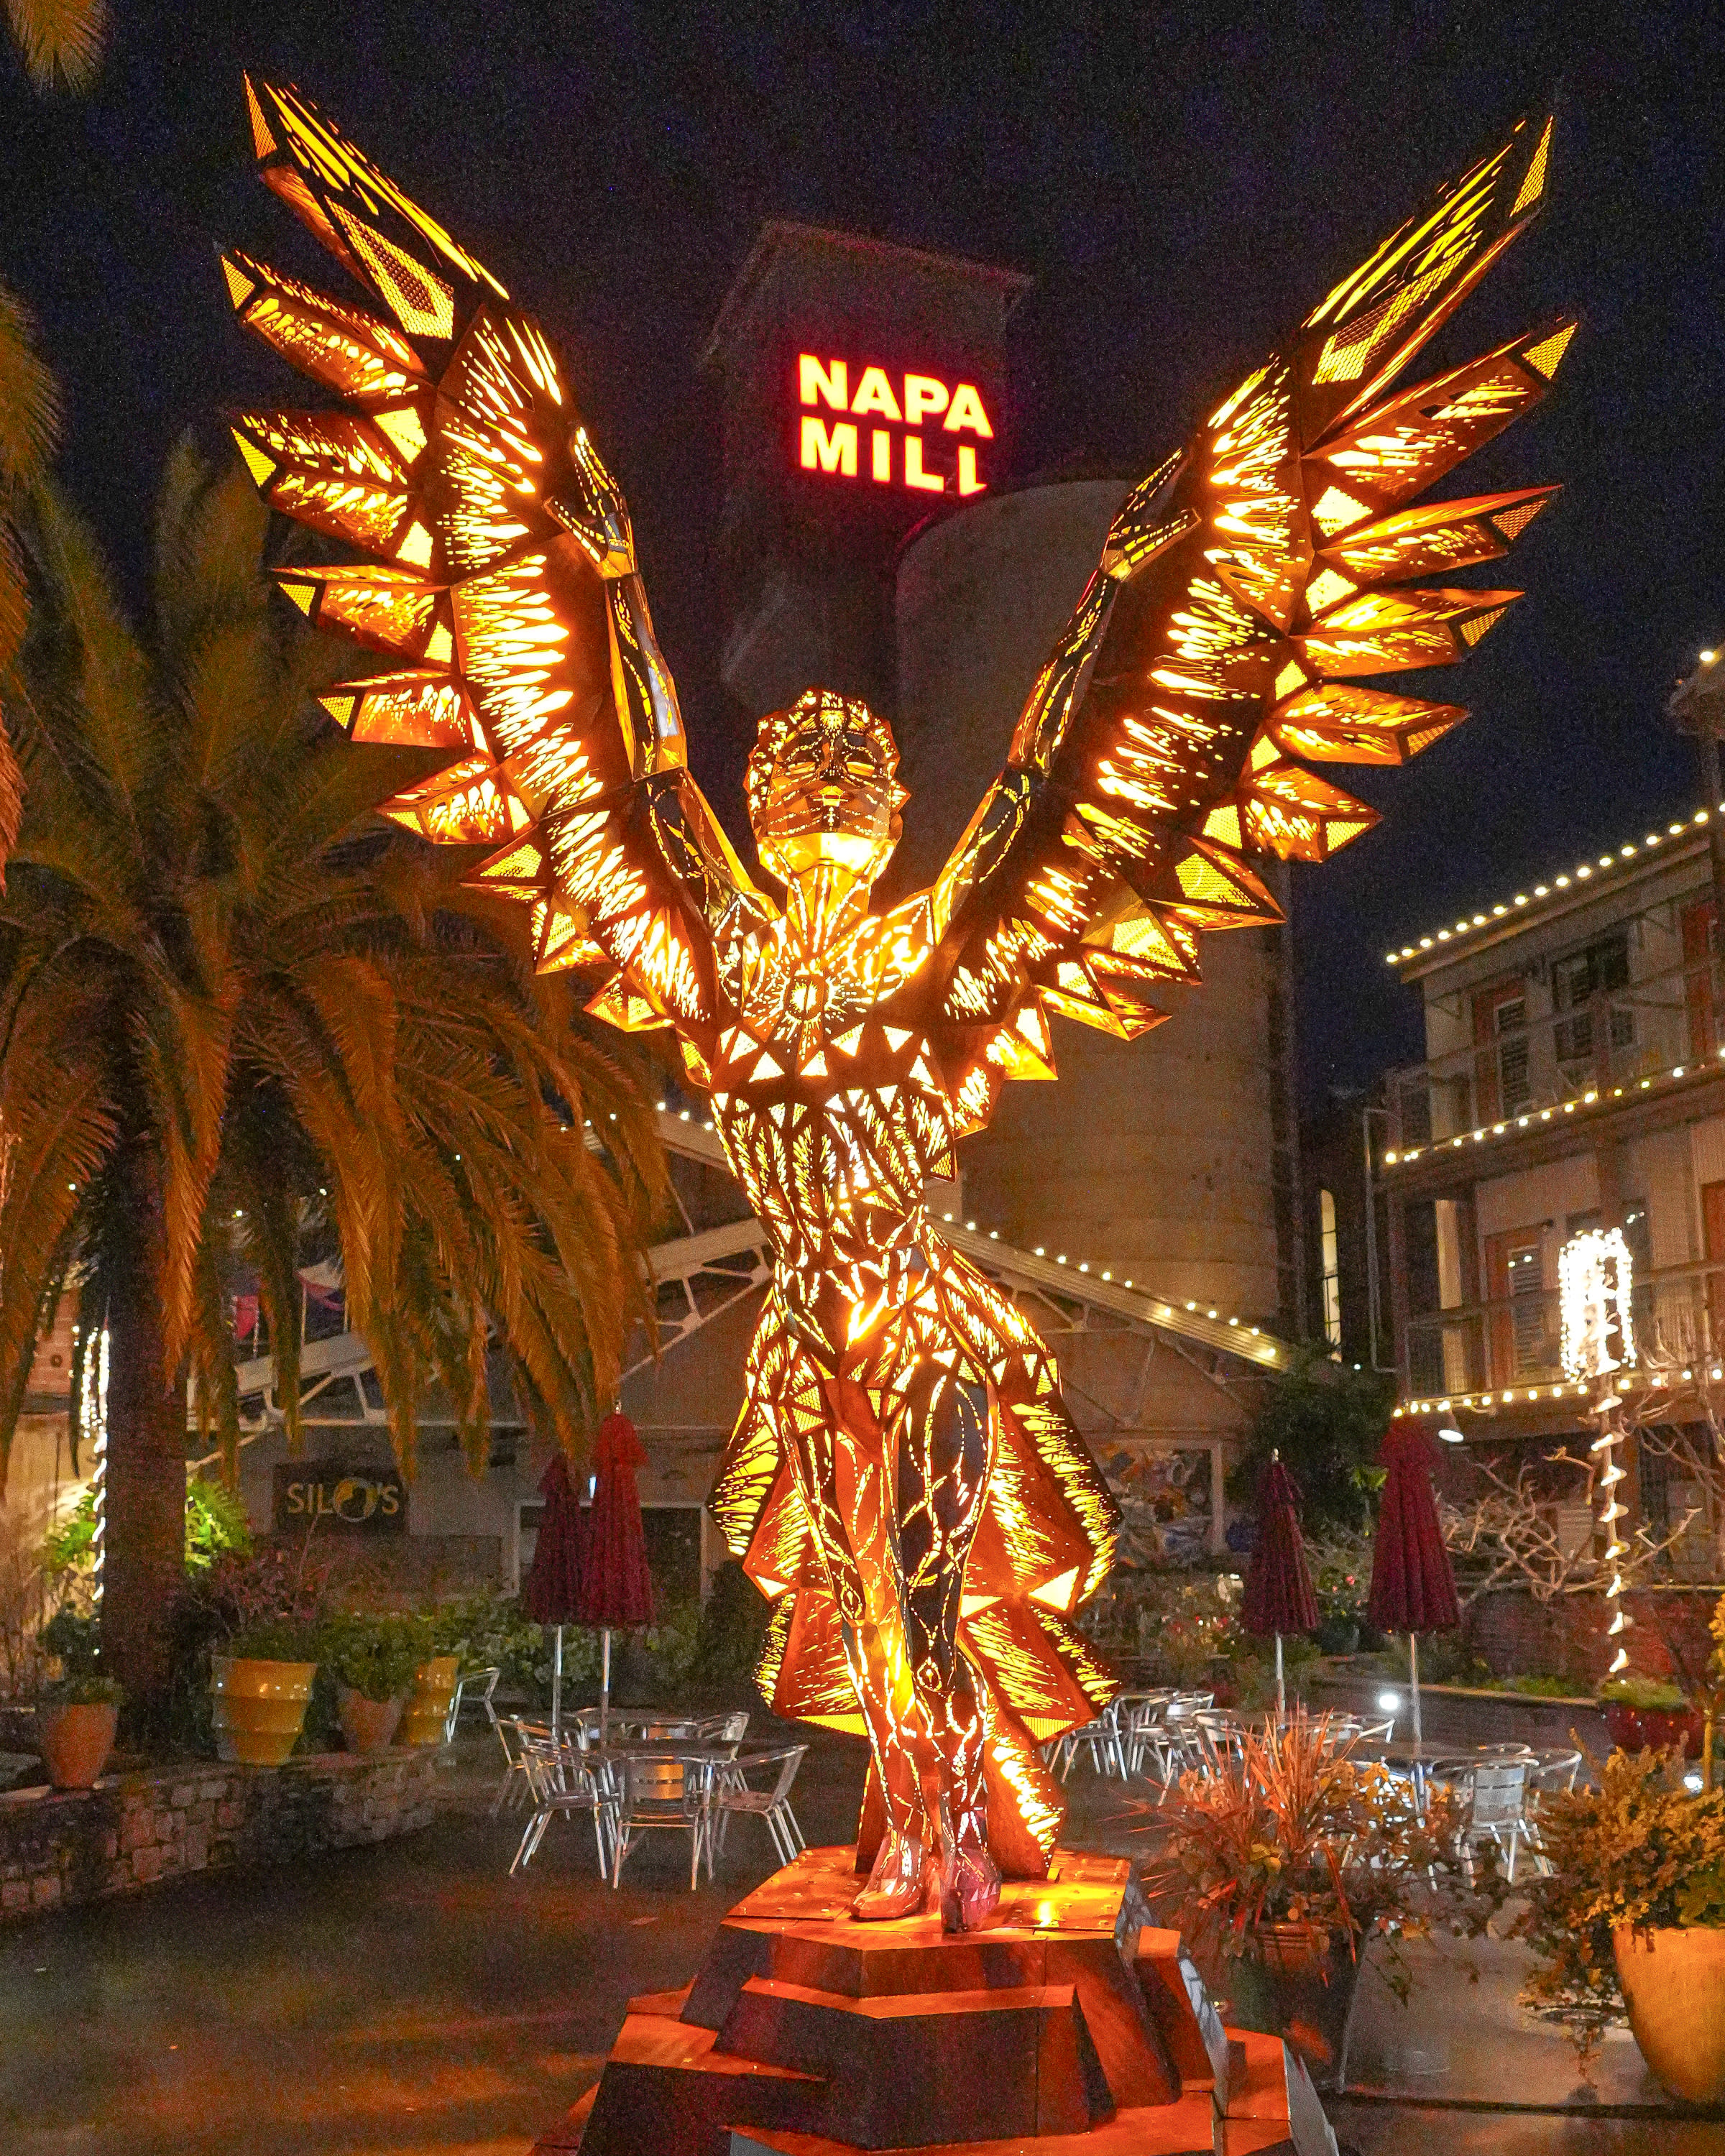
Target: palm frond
{"points": [[59, 41]]}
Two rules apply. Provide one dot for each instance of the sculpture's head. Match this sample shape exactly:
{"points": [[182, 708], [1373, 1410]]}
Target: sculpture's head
{"points": [[823, 786]]}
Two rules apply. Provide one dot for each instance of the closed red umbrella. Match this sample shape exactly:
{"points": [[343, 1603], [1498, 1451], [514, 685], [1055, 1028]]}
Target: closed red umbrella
{"points": [[616, 1588], [550, 1591], [1413, 1584], [1278, 1589]]}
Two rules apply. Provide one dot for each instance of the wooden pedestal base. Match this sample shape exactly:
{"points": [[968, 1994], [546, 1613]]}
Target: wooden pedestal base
{"points": [[1069, 2028]]}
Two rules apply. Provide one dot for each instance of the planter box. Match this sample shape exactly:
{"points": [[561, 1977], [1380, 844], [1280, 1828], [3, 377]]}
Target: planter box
{"points": [[58, 1846]]}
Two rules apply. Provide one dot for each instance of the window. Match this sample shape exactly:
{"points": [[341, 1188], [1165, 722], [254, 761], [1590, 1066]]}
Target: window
{"points": [[1500, 1023], [672, 1534], [1527, 1293], [1700, 972], [1597, 970], [1515, 1287], [1330, 1249], [529, 1514]]}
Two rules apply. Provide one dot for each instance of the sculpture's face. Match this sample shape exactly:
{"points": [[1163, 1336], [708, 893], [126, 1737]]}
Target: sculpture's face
{"points": [[822, 787]]}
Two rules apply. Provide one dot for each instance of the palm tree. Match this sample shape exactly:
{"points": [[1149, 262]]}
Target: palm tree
{"points": [[60, 44], [244, 1020]]}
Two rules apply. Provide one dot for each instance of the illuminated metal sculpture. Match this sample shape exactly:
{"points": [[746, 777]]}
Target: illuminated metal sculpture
{"points": [[904, 1481]]}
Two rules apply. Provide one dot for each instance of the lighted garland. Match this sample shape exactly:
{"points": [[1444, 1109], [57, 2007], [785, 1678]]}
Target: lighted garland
{"points": [[1594, 1273]]}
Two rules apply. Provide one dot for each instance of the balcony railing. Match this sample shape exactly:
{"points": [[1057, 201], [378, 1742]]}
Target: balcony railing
{"points": [[1659, 1022], [1514, 1340]]}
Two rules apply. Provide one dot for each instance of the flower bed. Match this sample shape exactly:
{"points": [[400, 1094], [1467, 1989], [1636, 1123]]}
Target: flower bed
{"points": [[58, 1846]]}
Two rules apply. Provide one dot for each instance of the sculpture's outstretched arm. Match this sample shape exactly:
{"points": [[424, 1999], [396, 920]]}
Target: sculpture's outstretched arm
{"points": [[1214, 655], [504, 583]]}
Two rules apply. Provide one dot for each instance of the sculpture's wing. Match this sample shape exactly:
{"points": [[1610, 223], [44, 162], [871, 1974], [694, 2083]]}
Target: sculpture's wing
{"points": [[502, 582], [1215, 655]]}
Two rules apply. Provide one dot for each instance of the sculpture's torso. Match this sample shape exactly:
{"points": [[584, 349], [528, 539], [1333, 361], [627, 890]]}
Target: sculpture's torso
{"points": [[829, 1099]]}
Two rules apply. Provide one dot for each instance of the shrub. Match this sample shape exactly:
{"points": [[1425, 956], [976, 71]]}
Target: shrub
{"points": [[74, 1640], [1654, 1695], [375, 1655], [272, 1639], [1294, 1832], [1327, 1422], [733, 1625], [491, 1631], [1632, 1851]]}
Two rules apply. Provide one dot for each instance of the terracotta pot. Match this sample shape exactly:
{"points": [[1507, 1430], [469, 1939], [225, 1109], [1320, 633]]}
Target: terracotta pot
{"points": [[428, 1707], [1623, 1725], [1298, 1988], [75, 1742], [367, 1725], [1674, 1987], [260, 1707], [1658, 1728]]}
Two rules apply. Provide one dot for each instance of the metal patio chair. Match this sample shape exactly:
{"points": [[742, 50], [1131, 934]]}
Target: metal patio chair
{"points": [[480, 1686], [734, 1796], [656, 1791], [1497, 1795], [513, 1788], [561, 1785], [1102, 1740]]}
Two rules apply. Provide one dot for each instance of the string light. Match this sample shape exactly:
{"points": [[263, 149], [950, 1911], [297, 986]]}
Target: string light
{"points": [[1623, 855], [1673, 1073]]}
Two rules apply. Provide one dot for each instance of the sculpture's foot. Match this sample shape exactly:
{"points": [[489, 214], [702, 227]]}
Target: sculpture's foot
{"points": [[970, 1888], [895, 1887]]}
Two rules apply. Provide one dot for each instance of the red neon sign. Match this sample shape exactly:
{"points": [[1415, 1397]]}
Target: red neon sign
{"points": [[831, 441]]}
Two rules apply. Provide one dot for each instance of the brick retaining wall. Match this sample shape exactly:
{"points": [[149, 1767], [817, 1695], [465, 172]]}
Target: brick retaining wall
{"points": [[63, 1845], [1568, 1636]]}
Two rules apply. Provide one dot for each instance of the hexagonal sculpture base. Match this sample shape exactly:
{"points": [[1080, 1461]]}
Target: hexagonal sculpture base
{"points": [[1069, 2028]]}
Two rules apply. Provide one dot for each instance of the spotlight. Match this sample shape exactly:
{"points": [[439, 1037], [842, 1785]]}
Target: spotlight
{"points": [[1450, 1435], [1388, 1701]]}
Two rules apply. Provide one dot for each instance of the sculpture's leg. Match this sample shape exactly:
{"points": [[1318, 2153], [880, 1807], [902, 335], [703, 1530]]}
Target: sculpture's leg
{"points": [[941, 1461], [838, 1457]]}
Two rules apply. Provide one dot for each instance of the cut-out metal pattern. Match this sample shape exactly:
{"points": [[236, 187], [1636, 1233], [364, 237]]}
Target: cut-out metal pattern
{"points": [[904, 1481]]}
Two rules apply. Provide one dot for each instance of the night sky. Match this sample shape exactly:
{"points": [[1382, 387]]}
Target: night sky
{"points": [[1183, 182]]}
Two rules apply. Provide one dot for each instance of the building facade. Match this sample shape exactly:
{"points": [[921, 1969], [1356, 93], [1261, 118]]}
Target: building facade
{"points": [[1574, 1078]]}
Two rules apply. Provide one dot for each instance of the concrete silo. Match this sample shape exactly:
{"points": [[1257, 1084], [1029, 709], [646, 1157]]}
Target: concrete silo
{"points": [[1170, 1159]]}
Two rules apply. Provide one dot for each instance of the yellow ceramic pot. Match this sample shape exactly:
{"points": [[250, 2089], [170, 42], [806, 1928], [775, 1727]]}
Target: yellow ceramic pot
{"points": [[1674, 1987], [76, 1742], [260, 1707], [427, 1708]]}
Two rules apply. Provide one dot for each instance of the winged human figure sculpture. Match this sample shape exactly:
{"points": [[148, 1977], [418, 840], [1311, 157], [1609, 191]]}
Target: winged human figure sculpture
{"points": [[903, 1481]]}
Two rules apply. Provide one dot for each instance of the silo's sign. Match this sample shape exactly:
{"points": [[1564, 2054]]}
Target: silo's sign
{"points": [[320, 1495], [898, 429]]}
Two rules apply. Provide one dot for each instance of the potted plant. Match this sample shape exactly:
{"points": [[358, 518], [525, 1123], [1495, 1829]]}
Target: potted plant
{"points": [[260, 1688], [1286, 1859], [1632, 1919], [1340, 1567], [77, 1712], [372, 1660], [1650, 1712]]}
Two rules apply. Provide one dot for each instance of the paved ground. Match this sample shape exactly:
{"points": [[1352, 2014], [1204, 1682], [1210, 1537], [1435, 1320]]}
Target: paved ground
{"points": [[411, 2000]]}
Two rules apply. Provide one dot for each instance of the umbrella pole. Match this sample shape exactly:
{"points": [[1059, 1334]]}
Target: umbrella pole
{"points": [[605, 1679], [1414, 1666], [557, 1687], [1281, 1690]]}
